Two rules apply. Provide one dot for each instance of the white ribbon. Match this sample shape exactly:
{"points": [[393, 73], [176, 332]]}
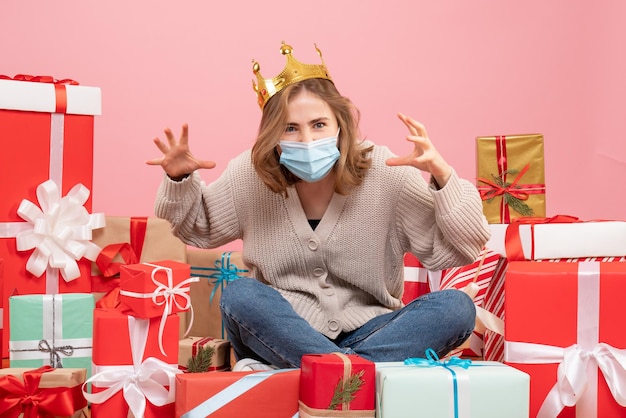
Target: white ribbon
{"points": [[578, 364], [165, 294], [143, 380], [59, 231]]}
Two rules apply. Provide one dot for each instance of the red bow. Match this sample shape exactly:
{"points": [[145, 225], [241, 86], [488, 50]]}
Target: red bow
{"points": [[34, 402]]}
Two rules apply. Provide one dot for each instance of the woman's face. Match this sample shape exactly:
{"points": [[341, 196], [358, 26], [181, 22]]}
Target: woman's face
{"points": [[309, 118]]}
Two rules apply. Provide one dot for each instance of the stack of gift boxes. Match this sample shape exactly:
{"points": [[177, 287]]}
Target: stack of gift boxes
{"points": [[114, 316]]}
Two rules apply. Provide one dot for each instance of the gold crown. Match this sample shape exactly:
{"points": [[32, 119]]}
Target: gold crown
{"points": [[293, 72]]}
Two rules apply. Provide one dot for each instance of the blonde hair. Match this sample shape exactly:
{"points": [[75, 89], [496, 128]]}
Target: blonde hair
{"points": [[354, 160]]}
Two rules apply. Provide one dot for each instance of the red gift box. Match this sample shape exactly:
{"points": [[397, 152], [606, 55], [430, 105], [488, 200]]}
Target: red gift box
{"points": [[574, 326], [127, 351], [267, 394], [323, 376], [54, 122], [150, 290], [417, 279]]}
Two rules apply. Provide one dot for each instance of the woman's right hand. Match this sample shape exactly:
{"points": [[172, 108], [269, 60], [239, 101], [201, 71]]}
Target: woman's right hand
{"points": [[177, 159]]}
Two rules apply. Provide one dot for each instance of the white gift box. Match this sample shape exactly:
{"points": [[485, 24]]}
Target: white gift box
{"points": [[485, 389], [41, 97], [564, 240]]}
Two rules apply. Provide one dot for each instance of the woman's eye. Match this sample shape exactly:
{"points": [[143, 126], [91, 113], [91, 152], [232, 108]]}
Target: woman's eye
{"points": [[290, 129], [320, 125]]}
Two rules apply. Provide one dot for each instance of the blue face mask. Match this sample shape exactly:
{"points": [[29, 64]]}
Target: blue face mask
{"points": [[310, 161]]}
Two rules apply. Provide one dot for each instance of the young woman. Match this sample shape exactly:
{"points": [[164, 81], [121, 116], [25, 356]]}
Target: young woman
{"points": [[325, 219]]}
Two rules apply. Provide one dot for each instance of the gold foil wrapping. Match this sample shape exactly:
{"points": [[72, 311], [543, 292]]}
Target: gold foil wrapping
{"points": [[516, 151]]}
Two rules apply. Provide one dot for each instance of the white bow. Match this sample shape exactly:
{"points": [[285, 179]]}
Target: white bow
{"points": [[143, 380], [60, 232]]}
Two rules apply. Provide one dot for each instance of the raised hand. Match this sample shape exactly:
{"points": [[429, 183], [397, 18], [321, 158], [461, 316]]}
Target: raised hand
{"points": [[177, 159], [424, 155]]}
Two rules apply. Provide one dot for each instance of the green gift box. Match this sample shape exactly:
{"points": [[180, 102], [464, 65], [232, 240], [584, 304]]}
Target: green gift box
{"points": [[53, 330]]}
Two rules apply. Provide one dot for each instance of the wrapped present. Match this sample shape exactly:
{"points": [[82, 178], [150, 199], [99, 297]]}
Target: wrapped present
{"points": [[574, 349], [130, 371], [159, 289], [215, 269], [52, 121], [510, 176], [336, 384], [188, 350], [42, 392], [1, 309], [132, 240], [451, 388], [267, 394], [493, 339], [417, 279], [54, 330], [560, 236]]}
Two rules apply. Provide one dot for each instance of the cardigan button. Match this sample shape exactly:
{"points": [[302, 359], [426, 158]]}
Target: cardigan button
{"points": [[333, 325], [312, 245]]}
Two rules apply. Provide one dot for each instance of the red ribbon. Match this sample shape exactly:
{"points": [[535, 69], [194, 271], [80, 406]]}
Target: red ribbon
{"points": [[513, 241], [129, 252], [519, 191], [34, 402], [59, 87]]}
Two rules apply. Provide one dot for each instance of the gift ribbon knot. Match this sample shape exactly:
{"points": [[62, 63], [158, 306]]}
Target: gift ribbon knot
{"points": [[432, 360], [55, 358], [225, 272], [165, 294]]}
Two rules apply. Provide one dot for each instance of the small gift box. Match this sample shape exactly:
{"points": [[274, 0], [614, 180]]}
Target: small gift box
{"points": [[189, 349], [54, 330], [511, 176], [451, 388], [267, 394], [215, 269], [150, 290], [54, 122], [42, 392], [130, 368], [572, 341], [336, 384]]}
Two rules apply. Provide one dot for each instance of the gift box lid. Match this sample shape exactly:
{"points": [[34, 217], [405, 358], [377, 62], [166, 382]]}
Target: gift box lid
{"points": [[42, 97]]}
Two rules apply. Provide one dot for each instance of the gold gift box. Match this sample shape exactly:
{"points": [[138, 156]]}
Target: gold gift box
{"points": [[220, 361], [61, 377], [510, 173]]}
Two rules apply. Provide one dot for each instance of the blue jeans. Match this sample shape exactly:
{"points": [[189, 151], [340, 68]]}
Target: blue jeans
{"points": [[261, 324]]}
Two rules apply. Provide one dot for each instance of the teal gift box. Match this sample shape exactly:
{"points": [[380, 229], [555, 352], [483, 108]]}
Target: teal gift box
{"points": [[475, 389], [54, 330]]}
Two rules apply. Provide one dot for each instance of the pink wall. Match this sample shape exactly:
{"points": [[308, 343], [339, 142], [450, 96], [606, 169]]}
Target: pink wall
{"points": [[464, 69]]}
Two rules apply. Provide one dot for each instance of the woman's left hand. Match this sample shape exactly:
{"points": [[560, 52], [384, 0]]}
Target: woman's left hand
{"points": [[424, 156]]}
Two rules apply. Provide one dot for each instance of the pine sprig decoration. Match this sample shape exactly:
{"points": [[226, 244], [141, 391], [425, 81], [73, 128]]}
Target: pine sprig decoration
{"points": [[201, 362], [513, 202], [346, 392]]}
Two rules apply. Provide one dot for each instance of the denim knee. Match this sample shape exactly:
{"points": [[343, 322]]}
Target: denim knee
{"points": [[463, 305], [234, 293]]}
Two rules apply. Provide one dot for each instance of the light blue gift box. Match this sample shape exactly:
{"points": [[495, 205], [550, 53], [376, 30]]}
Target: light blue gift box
{"points": [[54, 330], [478, 389]]}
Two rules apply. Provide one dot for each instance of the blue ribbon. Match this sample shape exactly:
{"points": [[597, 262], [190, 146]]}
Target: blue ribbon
{"points": [[224, 273], [432, 360]]}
